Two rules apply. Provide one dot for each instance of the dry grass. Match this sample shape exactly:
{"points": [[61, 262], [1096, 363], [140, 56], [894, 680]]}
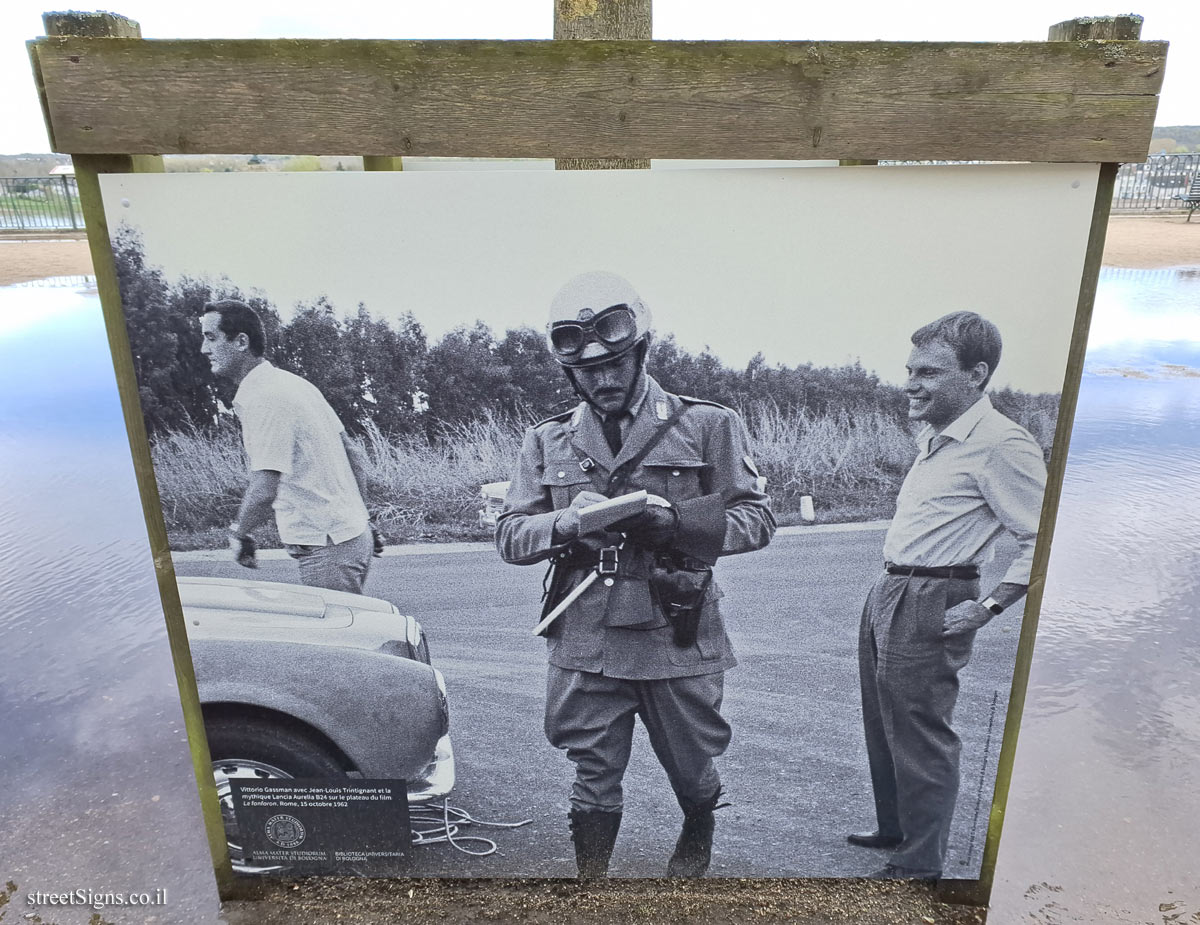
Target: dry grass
{"points": [[420, 489], [848, 462]]}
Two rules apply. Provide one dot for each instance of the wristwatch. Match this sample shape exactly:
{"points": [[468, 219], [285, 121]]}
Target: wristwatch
{"points": [[990, 603]]}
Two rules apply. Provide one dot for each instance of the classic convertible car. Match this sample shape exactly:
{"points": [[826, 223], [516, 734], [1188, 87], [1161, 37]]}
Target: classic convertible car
{"points": [[303, 682]]}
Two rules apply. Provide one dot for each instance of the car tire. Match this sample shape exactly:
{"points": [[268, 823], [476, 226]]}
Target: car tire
{"points": [[291, 751], [251, 748]]}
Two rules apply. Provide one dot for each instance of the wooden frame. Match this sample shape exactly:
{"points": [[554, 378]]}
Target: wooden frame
{"points": [[1047, 101], [116, 102]]}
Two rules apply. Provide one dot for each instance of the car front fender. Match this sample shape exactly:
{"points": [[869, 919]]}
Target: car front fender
{"points": [[384, 712]]}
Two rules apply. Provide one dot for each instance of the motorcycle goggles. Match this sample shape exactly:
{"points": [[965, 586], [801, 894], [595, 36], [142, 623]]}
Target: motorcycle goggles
{"points": [[615, 328]]}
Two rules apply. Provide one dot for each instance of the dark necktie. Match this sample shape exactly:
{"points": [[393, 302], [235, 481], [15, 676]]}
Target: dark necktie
{"points": [[611, 425]]}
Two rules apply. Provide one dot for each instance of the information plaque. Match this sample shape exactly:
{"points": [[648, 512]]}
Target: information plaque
{"points": [[324, 826]]}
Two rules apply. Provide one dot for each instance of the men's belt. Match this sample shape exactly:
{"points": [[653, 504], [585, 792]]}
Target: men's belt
{"points": [[968, 572]]}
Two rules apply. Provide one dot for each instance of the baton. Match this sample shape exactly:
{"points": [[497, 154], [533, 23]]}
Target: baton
{"points": [[566, 602]]}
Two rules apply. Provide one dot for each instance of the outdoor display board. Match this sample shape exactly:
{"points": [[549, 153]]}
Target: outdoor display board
{"points": [[417, 304]]}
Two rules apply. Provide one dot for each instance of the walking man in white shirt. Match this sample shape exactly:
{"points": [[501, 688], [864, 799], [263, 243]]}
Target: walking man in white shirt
{"points": [[302, 464], [976, 476]]}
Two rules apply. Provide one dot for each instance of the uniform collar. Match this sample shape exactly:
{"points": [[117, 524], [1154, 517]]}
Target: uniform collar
{"points": [[639, 399], [588, 437]]}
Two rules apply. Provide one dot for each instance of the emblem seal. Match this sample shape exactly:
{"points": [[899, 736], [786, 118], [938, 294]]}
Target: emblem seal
{"points": [[285, 831]]}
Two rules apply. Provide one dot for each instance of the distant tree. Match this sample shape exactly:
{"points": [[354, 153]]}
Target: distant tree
{"points": [[540, 388], [313, 345], [389, 365], [175, 382], [465, 376], [679, 371]]}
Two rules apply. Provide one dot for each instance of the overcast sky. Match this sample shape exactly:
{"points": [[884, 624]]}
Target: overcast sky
{"points": [[821, 265], [21, 128]]}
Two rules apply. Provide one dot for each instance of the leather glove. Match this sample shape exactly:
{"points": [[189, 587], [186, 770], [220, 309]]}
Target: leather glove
{"points": [[653, 528], [243, 549], [566, 525], [376, 542]]}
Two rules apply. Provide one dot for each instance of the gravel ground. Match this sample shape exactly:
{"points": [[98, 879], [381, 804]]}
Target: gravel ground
{"points": [[614, 902]]}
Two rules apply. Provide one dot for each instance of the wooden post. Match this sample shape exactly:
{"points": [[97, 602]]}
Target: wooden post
{"points": [[977, 892], [597, 20], [381, 162], [88, 168], [1092, 28]]}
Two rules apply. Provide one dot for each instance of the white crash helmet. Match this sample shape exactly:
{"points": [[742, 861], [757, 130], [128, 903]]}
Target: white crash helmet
{"points": [[594, 318]]}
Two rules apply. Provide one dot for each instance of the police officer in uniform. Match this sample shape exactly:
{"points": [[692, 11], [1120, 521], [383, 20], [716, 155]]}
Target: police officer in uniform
{"points": [[645, 638]]}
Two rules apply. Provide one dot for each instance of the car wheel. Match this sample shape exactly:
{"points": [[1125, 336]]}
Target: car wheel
{"points": [[254, 749]]}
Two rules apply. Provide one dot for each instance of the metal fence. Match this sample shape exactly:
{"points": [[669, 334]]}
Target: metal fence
{"points": [[39, 204], [52, 203], [1156, 185]]}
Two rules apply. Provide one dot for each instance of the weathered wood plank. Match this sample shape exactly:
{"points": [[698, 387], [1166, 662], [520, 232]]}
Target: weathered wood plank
{"points": [[1039, 101], [1087, 28], [72, 22], [594, 21]]}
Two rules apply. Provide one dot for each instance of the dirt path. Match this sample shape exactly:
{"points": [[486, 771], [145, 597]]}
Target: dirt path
{"points": [[21, 261], [1151, 241], [1133, 241]]}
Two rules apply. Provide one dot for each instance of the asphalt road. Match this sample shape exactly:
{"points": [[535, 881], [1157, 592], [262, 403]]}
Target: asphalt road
{"points": [[795, 771]]}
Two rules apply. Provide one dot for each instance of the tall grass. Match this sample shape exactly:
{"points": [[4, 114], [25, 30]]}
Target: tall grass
{"points": [[850, 461], [847, 461], [416, 488]]}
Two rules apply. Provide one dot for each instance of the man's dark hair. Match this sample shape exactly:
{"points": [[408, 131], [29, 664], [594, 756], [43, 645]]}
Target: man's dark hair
{"points": [[238, 318], [973, 339]]}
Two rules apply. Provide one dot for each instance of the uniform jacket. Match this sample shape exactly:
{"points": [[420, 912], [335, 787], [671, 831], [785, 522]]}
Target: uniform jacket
{"points": [[702, 466]]}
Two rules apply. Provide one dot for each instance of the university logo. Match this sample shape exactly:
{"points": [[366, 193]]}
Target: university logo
{"points": [[285, 831]]}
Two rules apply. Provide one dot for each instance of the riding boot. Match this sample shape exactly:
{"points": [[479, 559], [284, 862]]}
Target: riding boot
{"points": [[693, 850], [594, 834]]}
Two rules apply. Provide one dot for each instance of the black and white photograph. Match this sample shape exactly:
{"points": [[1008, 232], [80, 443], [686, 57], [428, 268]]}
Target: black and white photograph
{"points": [[644, 523]]}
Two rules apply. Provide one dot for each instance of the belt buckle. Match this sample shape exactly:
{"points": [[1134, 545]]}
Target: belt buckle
{"points": [[608, 561]]}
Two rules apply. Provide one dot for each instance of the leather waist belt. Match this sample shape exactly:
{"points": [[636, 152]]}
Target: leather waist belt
{"points": [[968, 572], [589, 558]]}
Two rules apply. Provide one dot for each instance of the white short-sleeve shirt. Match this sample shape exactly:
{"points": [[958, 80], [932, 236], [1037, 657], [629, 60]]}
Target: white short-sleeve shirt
{"points": [[288, 427]]}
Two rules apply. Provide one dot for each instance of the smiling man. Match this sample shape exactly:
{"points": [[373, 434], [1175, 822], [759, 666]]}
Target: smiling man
{"points": [[977, 475], [302, 464]]}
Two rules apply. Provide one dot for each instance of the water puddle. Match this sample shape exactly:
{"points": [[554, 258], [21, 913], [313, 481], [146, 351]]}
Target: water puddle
{"points": [[93, 752], [1101, 822]]}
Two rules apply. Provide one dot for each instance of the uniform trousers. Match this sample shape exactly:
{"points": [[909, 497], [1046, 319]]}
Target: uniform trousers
{"points": [[908, 672], [336, 566], [591, 716]]}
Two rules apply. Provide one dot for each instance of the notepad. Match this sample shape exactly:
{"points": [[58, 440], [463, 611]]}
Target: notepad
{"points": [[603, 514]]}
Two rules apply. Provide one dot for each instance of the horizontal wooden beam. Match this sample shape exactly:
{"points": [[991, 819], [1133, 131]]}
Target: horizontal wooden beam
{"points": [[1035, 101]]}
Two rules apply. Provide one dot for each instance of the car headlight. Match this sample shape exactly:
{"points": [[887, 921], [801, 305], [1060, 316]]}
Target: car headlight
{"points": [[413, 632], [444, 703]]}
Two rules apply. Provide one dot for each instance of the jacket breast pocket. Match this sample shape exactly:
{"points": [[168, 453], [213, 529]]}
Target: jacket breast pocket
{"points": [[677, 480], [565, 480]]}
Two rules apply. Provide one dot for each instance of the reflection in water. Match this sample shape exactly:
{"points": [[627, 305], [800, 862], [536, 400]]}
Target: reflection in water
{"points": [[1103, 821], [1104, 816], [93, 757]]}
